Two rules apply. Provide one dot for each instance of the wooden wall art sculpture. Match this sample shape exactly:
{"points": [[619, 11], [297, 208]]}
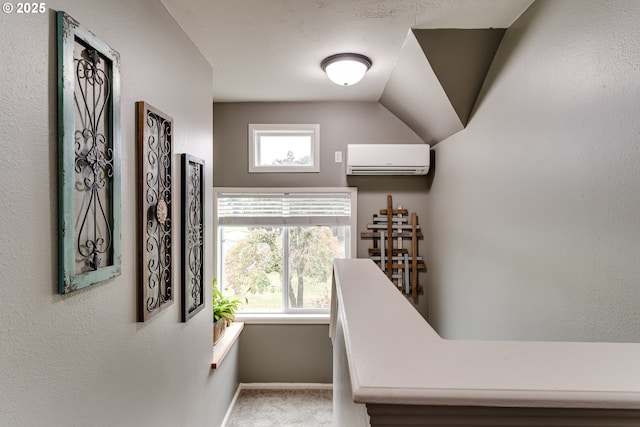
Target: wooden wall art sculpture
{"points": [[395, 236]]}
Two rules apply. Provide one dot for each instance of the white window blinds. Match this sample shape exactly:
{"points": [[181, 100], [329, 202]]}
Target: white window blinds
{"points": [[284, 208]]}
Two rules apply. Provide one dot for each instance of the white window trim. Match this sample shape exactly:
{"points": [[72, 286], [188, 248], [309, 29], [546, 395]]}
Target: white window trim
{"points": [[285, 318], [257, 130]]}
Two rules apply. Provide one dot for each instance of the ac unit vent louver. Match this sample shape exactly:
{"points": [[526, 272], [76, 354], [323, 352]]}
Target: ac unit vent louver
{"points": [[387, 159]]}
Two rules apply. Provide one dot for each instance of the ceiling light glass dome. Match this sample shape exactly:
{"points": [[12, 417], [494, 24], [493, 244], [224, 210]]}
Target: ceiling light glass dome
{"points": [[346, 69]]}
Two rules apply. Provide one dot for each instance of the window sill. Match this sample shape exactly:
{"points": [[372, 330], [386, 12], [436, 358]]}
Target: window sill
{"points": [[224, 344], [284, 319]]}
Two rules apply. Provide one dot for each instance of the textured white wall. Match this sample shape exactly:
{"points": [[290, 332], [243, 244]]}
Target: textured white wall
{"points": [[534, 209], [82, 359]]}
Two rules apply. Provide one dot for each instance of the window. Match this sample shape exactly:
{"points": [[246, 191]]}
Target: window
{"points": [[284, 148], [277, 246]]}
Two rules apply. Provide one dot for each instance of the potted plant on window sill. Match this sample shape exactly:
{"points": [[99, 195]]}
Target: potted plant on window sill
{"points": [[224, 311]]}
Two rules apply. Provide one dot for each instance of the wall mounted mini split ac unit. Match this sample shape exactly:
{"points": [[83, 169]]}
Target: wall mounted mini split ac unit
{"points": [[387, 159]]}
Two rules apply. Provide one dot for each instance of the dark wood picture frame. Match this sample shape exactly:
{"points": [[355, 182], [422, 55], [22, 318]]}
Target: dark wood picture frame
{"points": [[154, 131], [89, 161], [192, 236]]}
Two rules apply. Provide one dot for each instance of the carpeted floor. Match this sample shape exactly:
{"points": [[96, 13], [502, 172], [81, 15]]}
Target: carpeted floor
{"points": [[282, 408]]}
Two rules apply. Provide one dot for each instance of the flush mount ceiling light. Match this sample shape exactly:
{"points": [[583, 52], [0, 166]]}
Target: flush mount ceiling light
{"points": [[346, 69]]}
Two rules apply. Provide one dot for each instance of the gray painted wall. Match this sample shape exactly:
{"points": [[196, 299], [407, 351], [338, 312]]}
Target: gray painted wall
{"points": [[533, 211], [460, 58], [341, 123], [82, 359], [225, 379], [285, 353]]}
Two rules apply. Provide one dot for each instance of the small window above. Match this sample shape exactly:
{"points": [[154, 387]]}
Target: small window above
{"points": [[284, 148]]}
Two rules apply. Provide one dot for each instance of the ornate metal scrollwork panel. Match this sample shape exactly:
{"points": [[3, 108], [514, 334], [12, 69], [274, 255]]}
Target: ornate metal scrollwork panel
{"points": [[89, 157], [192, 236], [155, 151]]}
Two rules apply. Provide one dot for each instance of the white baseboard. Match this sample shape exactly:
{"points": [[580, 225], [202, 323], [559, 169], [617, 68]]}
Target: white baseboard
{"points": [[231, 406], [286, 386]]}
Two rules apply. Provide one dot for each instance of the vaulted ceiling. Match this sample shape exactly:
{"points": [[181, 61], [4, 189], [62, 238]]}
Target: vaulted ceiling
{"points": [[270, 50]]}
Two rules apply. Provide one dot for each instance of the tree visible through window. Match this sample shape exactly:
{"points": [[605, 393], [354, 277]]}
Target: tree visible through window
{"points": [[285, 267], [253, 264], [311, 254]]}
